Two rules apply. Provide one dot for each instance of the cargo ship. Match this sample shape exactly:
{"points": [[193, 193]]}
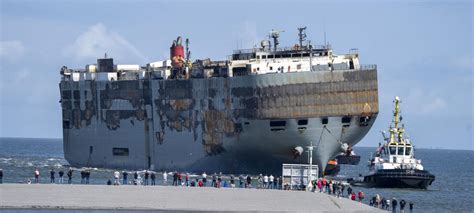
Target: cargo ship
{"points": [[250, 113]]}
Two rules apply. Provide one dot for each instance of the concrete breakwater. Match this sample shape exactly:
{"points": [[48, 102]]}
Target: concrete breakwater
{"points": [[83, 198]]}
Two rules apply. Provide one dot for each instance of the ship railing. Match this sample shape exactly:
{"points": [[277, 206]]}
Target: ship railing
{"points": [[368, 67], [254, 50]]}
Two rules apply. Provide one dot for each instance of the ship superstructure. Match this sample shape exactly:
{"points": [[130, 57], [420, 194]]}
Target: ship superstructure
{"points": [[250, 113]]}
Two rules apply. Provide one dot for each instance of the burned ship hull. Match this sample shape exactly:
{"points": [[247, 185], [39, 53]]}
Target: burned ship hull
{"points": [[241, 124]]}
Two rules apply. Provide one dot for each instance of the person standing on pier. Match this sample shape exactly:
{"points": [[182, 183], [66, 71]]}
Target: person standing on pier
{"points": [[214, 180], [394, 205], [330, 187], [342, 189], [165, 178], [175, 178], [280, 182], [180, 178], [187, 179], [249, 182], [271, 179], [61, 174], [204, 178], [265, 181], [83, 177], [361, 196], [135, 178], [1, 176], [384, 203], [125, 177], [275, 183], [147, 174], [52, 172], [219, 179], [411, 207], [116, 178], [69, 176], [241, 181], [260, 181], [153, 177], [326, 186], [88, 175], [232, 181], [402, 206]]}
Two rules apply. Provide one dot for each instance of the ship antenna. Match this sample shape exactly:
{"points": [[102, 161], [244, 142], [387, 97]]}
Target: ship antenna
{"points": [[275, 34], [302, 35], [325, 43]]}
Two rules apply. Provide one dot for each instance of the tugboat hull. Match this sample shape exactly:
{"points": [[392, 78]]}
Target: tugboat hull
{"points": [[349, 160], [400, 178]]}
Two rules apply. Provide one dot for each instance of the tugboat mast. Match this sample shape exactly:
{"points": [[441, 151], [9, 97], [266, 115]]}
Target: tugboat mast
{"points": [[396, 130]]}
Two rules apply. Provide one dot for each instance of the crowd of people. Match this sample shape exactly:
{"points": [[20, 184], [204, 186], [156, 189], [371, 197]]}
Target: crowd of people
{"points": [[322, 185], [185, 179], [85, 176], [340, 189]]}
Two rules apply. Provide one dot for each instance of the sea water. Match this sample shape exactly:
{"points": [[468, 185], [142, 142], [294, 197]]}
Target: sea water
{"points": [[453, 189]]}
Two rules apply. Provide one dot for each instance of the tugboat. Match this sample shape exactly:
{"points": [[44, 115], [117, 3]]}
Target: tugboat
{"points": [[395, 165]]}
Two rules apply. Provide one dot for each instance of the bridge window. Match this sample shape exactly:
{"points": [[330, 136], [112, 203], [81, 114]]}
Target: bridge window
{"points": [[393, 150], [401, 150], [408, 150]]}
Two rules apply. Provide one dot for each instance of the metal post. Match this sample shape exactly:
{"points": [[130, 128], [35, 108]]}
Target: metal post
{"points": [[310, 170], [310, 56]]}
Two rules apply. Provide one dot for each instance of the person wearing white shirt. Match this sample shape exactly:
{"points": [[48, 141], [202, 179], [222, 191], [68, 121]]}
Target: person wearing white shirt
{"points": [[165, 178], [116, 178], [271, 179], [265, 181]]}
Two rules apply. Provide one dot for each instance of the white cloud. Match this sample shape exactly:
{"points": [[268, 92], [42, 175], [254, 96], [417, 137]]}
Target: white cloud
{"points": [[98, 40], [11, 50], [424, 102]]}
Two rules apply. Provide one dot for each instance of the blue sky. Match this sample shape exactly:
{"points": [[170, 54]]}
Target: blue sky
{"points": [[423, 50]]}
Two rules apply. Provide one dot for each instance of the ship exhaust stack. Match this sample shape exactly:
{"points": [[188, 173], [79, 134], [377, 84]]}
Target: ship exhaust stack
{"points": [[178, 59]]}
